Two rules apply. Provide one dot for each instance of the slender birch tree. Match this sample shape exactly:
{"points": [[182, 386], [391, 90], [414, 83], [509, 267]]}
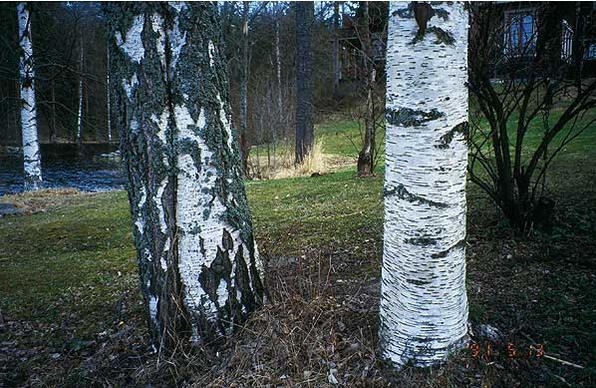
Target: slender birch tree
{"points": [[31, 154], [424, 308], [108, 97], [199, 266], [80, 110]]}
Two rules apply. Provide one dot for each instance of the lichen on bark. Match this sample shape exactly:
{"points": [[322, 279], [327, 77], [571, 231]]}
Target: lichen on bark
{"points": [[200, 270]]}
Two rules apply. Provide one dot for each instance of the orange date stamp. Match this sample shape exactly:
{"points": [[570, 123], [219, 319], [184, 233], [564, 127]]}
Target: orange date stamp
{"points": [[489, 350]]}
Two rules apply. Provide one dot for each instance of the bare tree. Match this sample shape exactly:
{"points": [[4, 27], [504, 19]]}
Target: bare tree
{"points": [[336, 60], [304, 87], [366, 157], [519, 82]]}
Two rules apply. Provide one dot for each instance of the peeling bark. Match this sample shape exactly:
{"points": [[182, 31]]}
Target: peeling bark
{"points": [[31, 154], [199, 267], [424, 309]]}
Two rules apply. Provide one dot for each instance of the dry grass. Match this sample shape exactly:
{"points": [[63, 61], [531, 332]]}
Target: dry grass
{"points": [[41, 200], [317, 162]]}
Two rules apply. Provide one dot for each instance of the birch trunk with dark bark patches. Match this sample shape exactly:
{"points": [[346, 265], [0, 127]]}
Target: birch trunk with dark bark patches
{"points": [[366, 156], [244, 69], [31, 154], [304, 106], [199, 266], [336, 66], [424, 308]]}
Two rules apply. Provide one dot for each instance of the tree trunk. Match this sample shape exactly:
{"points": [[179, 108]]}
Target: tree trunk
{"points": [[244, 69], [278, 67], [336, 65], [53, 126], [424, 308], [278, 123], [304, 105], [31, 154], [80, 112], [108, 99], [366, 156], [199, 266]]}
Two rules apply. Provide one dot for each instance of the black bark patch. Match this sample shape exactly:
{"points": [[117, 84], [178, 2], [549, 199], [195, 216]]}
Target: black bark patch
{"points": [[421, 241], [447, 138], [418, 282], [423, 12], [407, 117], [408, 13], [460, 244], [403, 193], [226, 241]]}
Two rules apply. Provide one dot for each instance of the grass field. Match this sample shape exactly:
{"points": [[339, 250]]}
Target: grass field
{"points": [[71, 310]]}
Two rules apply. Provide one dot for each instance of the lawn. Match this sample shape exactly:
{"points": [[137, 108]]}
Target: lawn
{"points": [[72, 314]]}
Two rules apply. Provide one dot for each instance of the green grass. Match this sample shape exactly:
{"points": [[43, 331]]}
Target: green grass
{"points": [[72, 265]]}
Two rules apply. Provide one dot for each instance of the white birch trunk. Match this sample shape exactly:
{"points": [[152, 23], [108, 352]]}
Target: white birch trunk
{"points": [[80, 112], [424, 308], [31, 154], [108, 102], [199, 265]]}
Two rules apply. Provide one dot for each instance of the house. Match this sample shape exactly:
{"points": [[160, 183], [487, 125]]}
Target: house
{"points": [[549, 33]]}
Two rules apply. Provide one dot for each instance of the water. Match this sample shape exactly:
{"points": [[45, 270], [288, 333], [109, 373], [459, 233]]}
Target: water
{"points": [[87, 173]]}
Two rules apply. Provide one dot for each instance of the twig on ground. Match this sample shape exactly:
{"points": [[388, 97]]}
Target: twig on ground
{"points": [[563, 361]]}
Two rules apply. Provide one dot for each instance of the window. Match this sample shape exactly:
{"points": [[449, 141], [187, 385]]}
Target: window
{"points": [[590, 51], [520, 33], [566, 41]]}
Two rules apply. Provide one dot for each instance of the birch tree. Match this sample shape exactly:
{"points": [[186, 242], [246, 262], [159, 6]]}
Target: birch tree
{"points": [[108, 97], [424, 308], [79, 137], [31, 154], [199, 266]]}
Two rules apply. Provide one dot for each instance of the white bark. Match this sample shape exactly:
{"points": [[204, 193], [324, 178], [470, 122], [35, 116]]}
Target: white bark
{"points": [[200, 227], [424, 308], [31, 155], [108, 100], [80, 112]]}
